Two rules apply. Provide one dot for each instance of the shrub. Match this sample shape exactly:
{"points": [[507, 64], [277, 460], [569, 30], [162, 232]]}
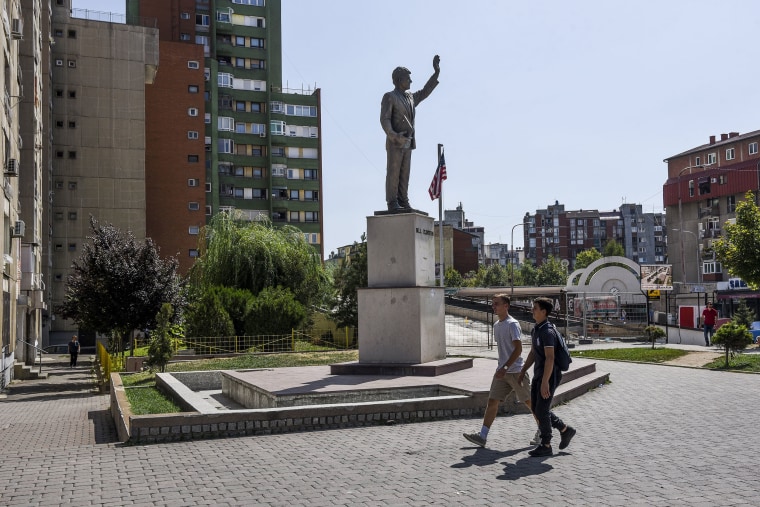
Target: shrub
{"points": [[733, 337], [654, 333], [274, 311]]}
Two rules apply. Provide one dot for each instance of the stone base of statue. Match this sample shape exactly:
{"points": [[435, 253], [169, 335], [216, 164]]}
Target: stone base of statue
{"points": [[401, 312]]}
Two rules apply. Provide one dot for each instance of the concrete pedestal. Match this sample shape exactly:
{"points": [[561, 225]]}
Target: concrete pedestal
{"points": [[401, 325], [400, 251]]}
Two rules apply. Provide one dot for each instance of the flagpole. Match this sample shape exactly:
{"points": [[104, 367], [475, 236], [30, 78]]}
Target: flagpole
{"points": [[440, 223]]}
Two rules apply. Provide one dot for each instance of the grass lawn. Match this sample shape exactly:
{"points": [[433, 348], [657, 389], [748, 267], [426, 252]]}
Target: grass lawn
{"points": [[149, 400], [643, 355], [740, 362]]}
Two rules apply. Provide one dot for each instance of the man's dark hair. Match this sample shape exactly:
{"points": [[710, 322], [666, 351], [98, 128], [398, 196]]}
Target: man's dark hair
{"points": [[503, 297], [545, 304]]}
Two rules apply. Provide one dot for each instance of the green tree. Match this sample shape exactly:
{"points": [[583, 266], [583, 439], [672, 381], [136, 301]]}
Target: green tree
{"points": [[452, 278], [236, 302], [274, 311], [744, 315], [236, 252], [118, 284], [206, 317], [733, 337], [654, 333], [739, 248], [529, 275], [551, 272], [586, 257], [162, 338], [351, 276], [613, 249]]}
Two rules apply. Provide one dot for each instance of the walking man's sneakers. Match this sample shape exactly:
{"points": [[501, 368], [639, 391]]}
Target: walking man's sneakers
{"points": [[475, 438], [566, 437], [541, 451]]}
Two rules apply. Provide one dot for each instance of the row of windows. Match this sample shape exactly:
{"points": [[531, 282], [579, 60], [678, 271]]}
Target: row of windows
{"points": [[71, 63], [730, 154], [292, 109], [295, 216], [278, 193], [243, 63]]}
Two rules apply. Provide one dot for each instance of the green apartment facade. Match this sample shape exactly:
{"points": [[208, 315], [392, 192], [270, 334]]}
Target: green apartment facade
{"points": [[261, 141]]}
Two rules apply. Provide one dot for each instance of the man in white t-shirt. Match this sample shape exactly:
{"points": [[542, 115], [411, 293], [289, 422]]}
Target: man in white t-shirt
{"points": [[507, 336]]}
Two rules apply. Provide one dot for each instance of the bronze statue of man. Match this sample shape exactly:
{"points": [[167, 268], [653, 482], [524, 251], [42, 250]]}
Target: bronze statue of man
{"points": [[397, 120]]}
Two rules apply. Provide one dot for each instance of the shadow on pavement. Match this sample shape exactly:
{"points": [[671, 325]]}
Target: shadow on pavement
{"points": [[485, 457], [105, 431]]}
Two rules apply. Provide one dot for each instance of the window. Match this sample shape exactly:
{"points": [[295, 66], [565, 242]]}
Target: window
{"points": [[193, 230], [59, 124], [59, 247], [193, 252], [311, 216], [277, 127], [192, 134], [72, 124], [72, 247], [192, 111], [72, 94], [293, 110], [59, 93], [192, 89], [59, 215], [207, 118], [275, 107], [310, 174], [193, 206], [208, 210], [59, 184], [731, 203], [72, 155], [193, 159], [193, 182], [184, 36], [224, 79], [72, 34], [730, 154], [58, 62], [240, 106], [240, 128], [72, 215], [225, 123], [294, 216], [72, 185], [259, 193], [293, 174], [192, 64], [225, 145], [57, 32], [72, 63], [257, 43], [240, 63], [278, 151], [258, 173], [753, 148], [712, 267], [712, 158], [278, 171], [691, 188], [294, 195], [223, 16], [184, 15], [258, 3], [310, 195], [697, 161], [202, 19]]}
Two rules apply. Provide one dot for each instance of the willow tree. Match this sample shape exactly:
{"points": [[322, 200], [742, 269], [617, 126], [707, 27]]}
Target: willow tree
{"points": [[236, 252]]}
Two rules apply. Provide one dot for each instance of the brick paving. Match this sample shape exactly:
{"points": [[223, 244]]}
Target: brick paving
{"points": [[656, 435]]}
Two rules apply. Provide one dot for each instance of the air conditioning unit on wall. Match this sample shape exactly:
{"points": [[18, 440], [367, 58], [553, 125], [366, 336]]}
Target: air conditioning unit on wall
{"points": [[11, 167], [18, 229]]}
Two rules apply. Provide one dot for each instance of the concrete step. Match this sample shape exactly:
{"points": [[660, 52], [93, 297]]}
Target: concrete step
{"points": [[577, 387], [22, 371], [578, 370]]}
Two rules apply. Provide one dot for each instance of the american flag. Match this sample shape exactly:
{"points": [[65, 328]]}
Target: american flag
{"points": [[440, 175]]}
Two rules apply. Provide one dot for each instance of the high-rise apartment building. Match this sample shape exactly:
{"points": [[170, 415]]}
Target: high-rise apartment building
{"points": [[223, 132], [704, 186], [11, 152], [99, 74], [562, 234]]}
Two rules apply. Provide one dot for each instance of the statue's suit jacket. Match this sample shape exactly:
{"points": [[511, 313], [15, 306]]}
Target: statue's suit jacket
{"points": [[396, 104]]}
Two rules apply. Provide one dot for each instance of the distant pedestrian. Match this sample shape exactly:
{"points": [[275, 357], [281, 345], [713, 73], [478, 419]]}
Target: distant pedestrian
{"points": [[546, 377], [622, 316], [74, 349], [507, 334], [709, 315]]}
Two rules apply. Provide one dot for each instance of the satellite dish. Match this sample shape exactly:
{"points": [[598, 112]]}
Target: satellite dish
{"points": [[565, 262]]}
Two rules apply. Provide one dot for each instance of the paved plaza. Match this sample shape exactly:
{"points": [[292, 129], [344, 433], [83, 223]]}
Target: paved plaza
{"points": [[656, 435]]}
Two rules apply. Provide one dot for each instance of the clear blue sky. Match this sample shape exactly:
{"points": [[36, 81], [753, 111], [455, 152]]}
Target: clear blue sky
{"points": [[539, 101]]}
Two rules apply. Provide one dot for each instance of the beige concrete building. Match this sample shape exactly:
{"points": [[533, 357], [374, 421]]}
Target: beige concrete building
{"points": [[11, 84], [100, 70]]}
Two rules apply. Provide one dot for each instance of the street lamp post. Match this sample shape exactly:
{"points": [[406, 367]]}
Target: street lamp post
{"points": [[512, 259], [683, 266]]}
